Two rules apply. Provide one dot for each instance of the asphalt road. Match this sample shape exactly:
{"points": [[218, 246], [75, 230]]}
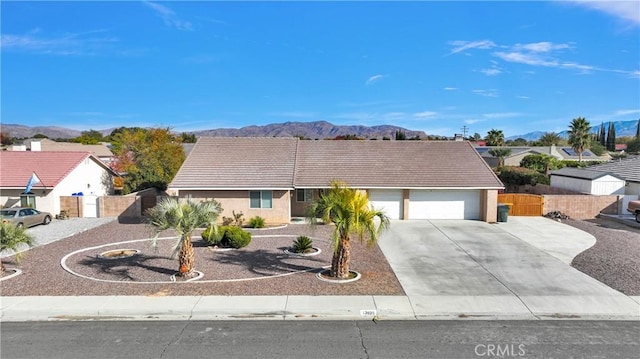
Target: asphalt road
{"points": [[321, 339]]}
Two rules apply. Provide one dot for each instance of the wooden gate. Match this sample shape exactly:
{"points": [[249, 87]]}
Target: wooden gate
{"points": [[523, 204]]}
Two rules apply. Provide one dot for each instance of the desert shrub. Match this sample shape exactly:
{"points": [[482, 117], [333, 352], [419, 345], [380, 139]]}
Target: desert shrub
{"points": [[236, 237], [256, 222], [519, 176], [303, 244], [583, 164], [213, 235]]}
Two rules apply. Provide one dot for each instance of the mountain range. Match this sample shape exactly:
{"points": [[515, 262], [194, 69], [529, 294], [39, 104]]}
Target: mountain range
{"points": [[312, 130]]}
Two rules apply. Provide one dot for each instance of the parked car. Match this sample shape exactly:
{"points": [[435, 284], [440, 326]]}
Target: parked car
{"points": [[634, 207], [25, 216]]}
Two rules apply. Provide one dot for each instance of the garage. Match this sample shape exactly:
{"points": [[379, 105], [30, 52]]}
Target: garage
{"points": [[387, 200], [444, 204]]}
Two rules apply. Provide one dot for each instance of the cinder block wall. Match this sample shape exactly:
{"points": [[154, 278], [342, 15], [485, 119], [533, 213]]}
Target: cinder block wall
{"points": [[581, 206], [119, 206], [72, 204]]}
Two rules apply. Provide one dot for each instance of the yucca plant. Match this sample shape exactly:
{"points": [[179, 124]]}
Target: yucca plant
{"points": [[13, 238], [303, 244], [183, 216]]}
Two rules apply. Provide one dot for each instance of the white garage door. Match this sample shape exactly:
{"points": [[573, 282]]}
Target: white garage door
{"points": [[388, 201], [444, 204]]}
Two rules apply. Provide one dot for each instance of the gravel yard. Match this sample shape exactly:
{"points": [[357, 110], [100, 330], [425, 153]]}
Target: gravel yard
{"points": [[262, 268], [615, 258]]}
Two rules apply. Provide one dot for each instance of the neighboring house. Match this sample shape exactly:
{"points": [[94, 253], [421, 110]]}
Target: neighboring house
{"points": [[60, 174], [100, 151], [518, 153], [587, 181], [628, 169], [277, 178]]}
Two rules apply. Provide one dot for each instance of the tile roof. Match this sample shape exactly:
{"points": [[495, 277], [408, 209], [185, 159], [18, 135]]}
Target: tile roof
{"points": [[226, 163], [581, 173], [238, 163], [628, 168], [50, 167]]}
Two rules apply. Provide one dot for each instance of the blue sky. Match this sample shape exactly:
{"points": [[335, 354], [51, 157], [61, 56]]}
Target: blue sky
{"points": [[431, 66]]}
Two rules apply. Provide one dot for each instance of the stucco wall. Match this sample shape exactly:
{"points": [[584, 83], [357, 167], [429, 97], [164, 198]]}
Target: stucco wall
{"points": [[238, 201], [582, 207], [489, 205]]}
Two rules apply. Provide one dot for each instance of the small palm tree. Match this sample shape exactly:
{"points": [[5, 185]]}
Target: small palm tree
{"points": [[349, 210], [13, 238], [550, 138], [183, 216], [500, 154], [579, 137]]}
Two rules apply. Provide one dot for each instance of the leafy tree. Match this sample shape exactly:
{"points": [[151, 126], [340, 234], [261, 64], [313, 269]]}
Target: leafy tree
{"points": [[550, 139], [349, 210], [517, 142], [500, 154], [188, 137], [146, 157], [91, 137], [597, 148], [476, 137], [579, 138], [633, 146], [183, 216], [40, 135], [386, 138], [5, 139], [518, 176], [400, 135], [495, 138], [611, 138], [541, 163], [13, 238]]}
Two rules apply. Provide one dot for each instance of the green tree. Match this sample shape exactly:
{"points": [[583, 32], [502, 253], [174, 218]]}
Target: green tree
{"points": [[91, 137], [638, 130], [183, 216], [579, 137], [610, 143], [500, 154], [6, 139], [349, 210], [13, 238], [495, 138], [602, 136], [188, 137], [597, 148], [633, 146], [541, 163], [400, 135], [517, 142], [40, 135], [550, 139], [476, 137], [146, 157]]}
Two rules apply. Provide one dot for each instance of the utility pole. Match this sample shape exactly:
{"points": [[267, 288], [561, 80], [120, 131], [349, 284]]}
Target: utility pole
{"points": [[464, 131]]}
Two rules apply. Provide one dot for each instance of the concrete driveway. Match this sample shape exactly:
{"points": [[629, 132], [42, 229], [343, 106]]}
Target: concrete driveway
{"points": [[511, 269]]}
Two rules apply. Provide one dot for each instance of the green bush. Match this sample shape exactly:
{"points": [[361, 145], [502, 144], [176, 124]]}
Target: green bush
{"points": [[226, 236], [303, 244], [213, 235], [519, 176], [256, 222], [236, 237]]}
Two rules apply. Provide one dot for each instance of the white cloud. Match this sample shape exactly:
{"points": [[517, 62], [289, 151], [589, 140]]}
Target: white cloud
{"points": [[425, 114], [626, 112], [450, 88], [169, 16], [628, 11], [461, 46], [472, 121], [497, 115], [491, 72], [85, 43], [523, 97], [374, 78], [486, 93], [543, 46], [293, 114]]}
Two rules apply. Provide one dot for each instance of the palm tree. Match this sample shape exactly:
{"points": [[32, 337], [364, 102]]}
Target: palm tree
{"points": [[13, 238], [495, 138], [183, 216], [550, 138], [500, 154], [579, 137], [349, 210]]}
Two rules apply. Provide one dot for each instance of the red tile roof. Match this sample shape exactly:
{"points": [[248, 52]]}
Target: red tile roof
{"points": [[16, 167]]}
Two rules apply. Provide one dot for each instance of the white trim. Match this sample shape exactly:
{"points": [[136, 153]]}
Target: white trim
{"points": [[229, 189]]}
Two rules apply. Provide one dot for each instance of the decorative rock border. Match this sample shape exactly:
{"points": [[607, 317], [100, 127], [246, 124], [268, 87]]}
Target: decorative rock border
{"points": [[16, 272], [338, 281], [199, 275], [310, 254]]}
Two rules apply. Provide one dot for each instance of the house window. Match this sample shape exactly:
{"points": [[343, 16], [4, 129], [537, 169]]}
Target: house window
{"points": [[304, 195], [260, 199]]}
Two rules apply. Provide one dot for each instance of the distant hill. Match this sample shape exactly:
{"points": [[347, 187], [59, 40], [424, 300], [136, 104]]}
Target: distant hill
{"points": [[623, 128], [313, 130]]}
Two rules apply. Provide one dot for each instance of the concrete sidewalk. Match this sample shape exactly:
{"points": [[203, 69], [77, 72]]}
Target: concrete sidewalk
{"points": [[449, 270]]}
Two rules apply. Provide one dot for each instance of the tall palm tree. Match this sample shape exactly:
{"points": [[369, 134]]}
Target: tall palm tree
{"points": [[495, 138], [349, 210], [13, 238], [579, 137], [550, 138], [183, 216]]}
